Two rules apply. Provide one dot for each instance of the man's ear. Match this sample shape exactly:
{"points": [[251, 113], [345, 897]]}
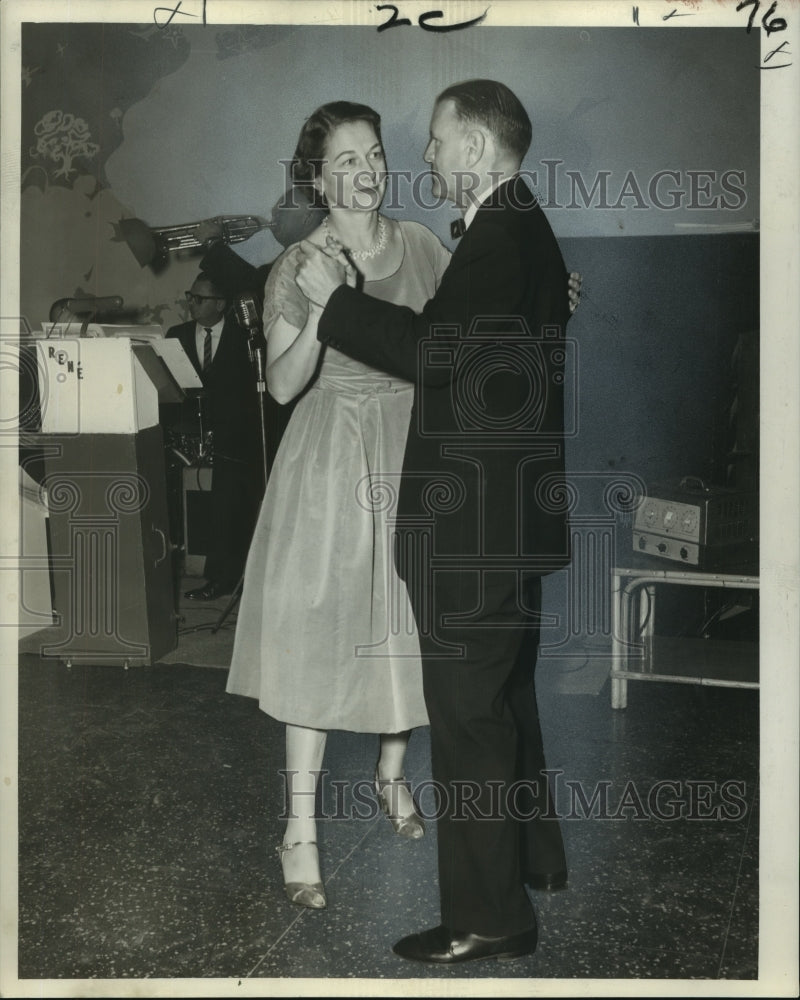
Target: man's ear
{"points": [[475, 142]]}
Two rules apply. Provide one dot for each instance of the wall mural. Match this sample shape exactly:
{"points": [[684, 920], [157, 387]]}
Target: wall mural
{"points": [[175, 124], [78, 83], [63, 138]]}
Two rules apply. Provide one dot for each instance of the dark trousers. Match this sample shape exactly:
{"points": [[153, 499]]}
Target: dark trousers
{"points": [[236, 491], [486, 748]]}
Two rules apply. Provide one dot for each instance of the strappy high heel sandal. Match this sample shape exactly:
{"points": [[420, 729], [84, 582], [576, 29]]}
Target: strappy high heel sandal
{"points": [[408, 825], [309, 894]]}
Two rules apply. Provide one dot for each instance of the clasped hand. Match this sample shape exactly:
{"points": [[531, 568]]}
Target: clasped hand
{"points": [[321, 270]]}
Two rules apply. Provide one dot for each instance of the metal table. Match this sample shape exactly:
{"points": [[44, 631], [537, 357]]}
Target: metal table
{"points": [[637, 653]]}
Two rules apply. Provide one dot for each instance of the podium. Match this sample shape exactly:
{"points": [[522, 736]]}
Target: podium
{"points": [[105, 488]]}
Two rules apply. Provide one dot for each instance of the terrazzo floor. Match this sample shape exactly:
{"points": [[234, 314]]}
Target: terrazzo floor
{"points": [[148, 814]]}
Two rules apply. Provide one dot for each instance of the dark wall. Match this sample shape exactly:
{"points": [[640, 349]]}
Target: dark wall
{"points": [[660, 323], [656, 332]]}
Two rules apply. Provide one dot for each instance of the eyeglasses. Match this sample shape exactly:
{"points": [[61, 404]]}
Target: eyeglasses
{"points": [[191, 297]]}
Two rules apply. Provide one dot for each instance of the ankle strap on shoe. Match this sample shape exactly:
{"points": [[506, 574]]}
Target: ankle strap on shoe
{"points": [[385, 782], [283, 848]]}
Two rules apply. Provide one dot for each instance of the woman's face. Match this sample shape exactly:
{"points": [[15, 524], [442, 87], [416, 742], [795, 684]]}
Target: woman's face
{"points": [[353, 173]]}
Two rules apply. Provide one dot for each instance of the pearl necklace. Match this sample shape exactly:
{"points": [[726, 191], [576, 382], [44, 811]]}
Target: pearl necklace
{"points": [[377, 247]]}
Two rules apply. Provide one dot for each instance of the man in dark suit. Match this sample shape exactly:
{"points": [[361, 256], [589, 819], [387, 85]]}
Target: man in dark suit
{"points": [[240, 278], [218, 348], [482, 493]]}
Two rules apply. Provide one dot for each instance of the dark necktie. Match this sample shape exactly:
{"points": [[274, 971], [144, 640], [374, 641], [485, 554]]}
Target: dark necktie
{"points": [[207, 350], [457, 229]]}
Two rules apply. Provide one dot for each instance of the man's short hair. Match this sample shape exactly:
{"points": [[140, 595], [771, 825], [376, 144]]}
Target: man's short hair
{"points": [[496, 108]]}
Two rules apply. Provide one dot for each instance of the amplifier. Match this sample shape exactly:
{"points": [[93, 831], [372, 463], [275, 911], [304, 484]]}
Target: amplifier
{"points": [[709, 527]]}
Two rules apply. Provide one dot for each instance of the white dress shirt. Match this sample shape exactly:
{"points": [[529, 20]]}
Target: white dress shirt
{"points": [[469, 215]]}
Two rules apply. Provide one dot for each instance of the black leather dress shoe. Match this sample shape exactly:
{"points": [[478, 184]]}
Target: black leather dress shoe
{"points": [[447, 947], [208, 592], [546, 881]]}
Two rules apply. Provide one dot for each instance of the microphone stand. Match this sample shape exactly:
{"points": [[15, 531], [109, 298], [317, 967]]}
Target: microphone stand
{"points": [[255, 346], [255, 349], [202, 446]]}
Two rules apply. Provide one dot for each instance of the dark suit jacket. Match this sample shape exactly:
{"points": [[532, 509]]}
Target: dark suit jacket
{"points": [[488, 360], [230, 400], [229, 271]]}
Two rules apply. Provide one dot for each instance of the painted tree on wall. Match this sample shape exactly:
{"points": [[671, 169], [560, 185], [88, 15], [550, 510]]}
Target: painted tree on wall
{"points": [[63, 138], [77, 83]]}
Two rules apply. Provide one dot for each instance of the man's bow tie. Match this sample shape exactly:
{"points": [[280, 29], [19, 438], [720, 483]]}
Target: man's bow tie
{"points": [[457, 229]]}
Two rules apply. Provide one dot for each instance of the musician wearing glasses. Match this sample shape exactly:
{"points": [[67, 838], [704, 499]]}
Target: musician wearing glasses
{"points": [[229, 416]]}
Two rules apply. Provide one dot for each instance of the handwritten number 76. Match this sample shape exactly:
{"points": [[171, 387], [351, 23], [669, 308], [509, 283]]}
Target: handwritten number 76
{"points": [[776, 24]]}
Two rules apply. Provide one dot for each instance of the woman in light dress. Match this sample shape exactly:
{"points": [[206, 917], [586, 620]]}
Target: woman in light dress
{"points": [[325, 636]]}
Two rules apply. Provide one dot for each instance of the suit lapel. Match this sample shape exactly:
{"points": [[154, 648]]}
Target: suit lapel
{"points": [[224, 346], [220, 355], [188, 339], [512, 197]]}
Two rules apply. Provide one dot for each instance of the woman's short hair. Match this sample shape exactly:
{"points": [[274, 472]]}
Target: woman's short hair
{"points": [[317, 130], [497, 108]]}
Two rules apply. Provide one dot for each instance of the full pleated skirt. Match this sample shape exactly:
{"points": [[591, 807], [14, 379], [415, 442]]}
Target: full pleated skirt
{"points": [[325, 635]]}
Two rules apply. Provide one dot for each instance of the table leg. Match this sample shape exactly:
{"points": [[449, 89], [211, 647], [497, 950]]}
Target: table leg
{"points": [[619, 685]]}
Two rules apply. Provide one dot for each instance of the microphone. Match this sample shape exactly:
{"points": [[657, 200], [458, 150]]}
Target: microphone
{"points": [[247, 313]]}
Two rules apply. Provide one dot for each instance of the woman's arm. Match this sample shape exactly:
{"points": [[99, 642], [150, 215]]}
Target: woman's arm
{"points": [[292, 355]]}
